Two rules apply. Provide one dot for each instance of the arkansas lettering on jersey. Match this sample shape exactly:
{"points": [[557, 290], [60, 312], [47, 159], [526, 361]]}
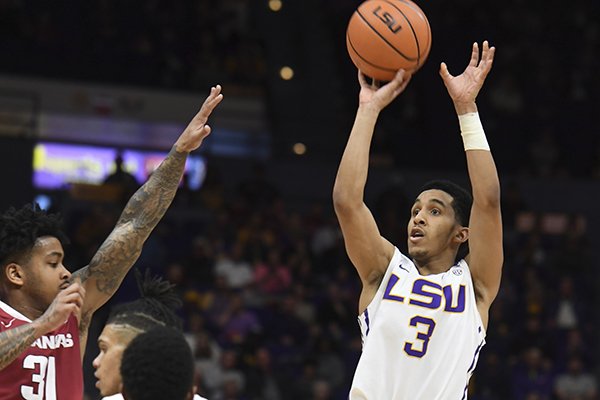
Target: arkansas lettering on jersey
{"points": [[50, 369], [422, 335]]}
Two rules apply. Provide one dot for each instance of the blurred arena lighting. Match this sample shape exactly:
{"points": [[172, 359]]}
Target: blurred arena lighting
{"points": [[299, 149], [275, 5], [286, 73]]}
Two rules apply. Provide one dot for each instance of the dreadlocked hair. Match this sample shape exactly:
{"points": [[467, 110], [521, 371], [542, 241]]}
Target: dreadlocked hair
{"points": [[155, 308], [19, 230]]}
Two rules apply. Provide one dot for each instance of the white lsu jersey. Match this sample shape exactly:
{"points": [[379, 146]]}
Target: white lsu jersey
{"points": [[421, 335]]}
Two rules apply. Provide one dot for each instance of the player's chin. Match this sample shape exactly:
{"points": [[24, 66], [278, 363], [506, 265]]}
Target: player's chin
{"points": [[416, 252], [102, 389]]}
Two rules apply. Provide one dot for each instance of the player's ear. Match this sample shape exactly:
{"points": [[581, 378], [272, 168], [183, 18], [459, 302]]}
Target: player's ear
{"points": [[462, 234], [14, 274]]}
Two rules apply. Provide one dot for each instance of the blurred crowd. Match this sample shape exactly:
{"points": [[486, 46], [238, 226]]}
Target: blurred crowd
{"points": [[185, 44], [270, 297], [542, 94]]}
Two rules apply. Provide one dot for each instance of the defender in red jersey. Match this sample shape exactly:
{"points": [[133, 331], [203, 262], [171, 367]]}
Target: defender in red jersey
{"points": [[52, 362], [44, 309]]}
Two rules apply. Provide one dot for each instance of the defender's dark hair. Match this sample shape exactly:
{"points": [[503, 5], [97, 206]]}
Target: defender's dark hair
{"points": [[461, 204], [158, 365], [462, 200], [155, 308], [19, 230]]}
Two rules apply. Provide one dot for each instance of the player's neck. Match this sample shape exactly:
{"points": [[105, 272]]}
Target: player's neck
{"points": [[24, 306], [434, 265]]}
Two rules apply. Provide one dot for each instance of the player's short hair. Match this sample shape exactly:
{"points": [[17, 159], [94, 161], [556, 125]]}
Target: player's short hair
{"points": [[155, 307], [461, 199], [461, 204], [19, 230], [157, 365]]}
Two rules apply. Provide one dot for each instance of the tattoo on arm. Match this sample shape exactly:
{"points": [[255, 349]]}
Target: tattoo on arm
{"points": [[14, 341], [84, 325], [148, 205], [141, 215]]}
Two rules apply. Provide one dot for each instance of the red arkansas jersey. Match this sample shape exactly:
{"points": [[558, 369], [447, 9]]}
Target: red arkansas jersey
{"points": [[49, 369]]}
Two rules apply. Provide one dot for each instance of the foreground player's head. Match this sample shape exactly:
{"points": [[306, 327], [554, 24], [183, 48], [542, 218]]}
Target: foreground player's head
{"points": [[126, 321], [31, 257], [158, 365], [439, 221]]}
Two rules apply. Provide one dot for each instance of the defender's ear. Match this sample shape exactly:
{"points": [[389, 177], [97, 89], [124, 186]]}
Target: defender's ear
{"points": [[462, 234], [14, 274]]}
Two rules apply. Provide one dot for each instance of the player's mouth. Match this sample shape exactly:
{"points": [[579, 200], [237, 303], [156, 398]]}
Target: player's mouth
{"points": [[64, 285], [416, 235]]}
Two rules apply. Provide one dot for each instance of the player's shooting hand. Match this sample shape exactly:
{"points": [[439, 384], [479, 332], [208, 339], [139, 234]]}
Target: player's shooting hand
{"points": [[68, 301], [378, 98], [463, 89], [197, 129]]}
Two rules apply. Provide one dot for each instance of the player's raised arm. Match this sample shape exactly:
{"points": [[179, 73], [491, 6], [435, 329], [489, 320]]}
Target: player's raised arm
{"points": [[485, 225], [368, 251], [120, 250]]}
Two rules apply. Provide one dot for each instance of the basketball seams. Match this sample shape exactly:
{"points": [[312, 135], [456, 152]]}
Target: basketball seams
{"points": [[411, 28], [421, 14], [392, 70], [363, 18]]}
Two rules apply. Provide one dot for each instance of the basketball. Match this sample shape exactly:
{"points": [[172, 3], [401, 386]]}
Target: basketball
{"points": [[384, 36]]}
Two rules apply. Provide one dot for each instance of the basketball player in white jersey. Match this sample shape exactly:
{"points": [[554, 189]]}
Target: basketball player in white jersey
{"points": [[423, 316]]}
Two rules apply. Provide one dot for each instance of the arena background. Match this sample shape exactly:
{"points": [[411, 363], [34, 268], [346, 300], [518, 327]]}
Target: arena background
{"points": [[129, 76]]}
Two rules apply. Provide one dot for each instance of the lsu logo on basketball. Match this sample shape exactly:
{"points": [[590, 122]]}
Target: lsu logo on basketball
{"points": [[387, 19]]}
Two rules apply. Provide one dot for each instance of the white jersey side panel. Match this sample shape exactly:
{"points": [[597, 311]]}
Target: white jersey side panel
{"points": [[421, 335]]}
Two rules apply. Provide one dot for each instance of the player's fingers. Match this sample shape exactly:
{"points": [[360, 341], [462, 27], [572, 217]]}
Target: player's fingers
{"points": [[399, 78], [444, 73], [73, 298], [72, 288], [402, 85], [485, 52], [362, 80], [490, 55], [474, 55]]}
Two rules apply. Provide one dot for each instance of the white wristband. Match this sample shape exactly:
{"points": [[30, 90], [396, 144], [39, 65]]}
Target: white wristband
{"points": [[472, 132]]}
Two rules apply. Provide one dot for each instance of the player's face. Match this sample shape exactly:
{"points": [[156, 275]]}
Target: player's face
{"points": [[45, 273], [112, 342], [432, 229]]}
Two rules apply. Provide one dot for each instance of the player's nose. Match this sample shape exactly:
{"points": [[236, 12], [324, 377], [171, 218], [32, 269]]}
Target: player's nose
{"points": [[418, 219], [65, 273]]}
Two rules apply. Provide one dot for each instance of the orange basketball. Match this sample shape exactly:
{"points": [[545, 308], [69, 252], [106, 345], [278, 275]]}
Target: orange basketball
{"points": [[386, 35]]}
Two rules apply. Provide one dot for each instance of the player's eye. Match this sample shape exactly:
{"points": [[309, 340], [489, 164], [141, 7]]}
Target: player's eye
{"points": [[435, 211]]}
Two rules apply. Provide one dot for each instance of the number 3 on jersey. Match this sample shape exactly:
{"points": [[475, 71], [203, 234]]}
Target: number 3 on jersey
{"points": [[411, 348], [45, 380]]}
